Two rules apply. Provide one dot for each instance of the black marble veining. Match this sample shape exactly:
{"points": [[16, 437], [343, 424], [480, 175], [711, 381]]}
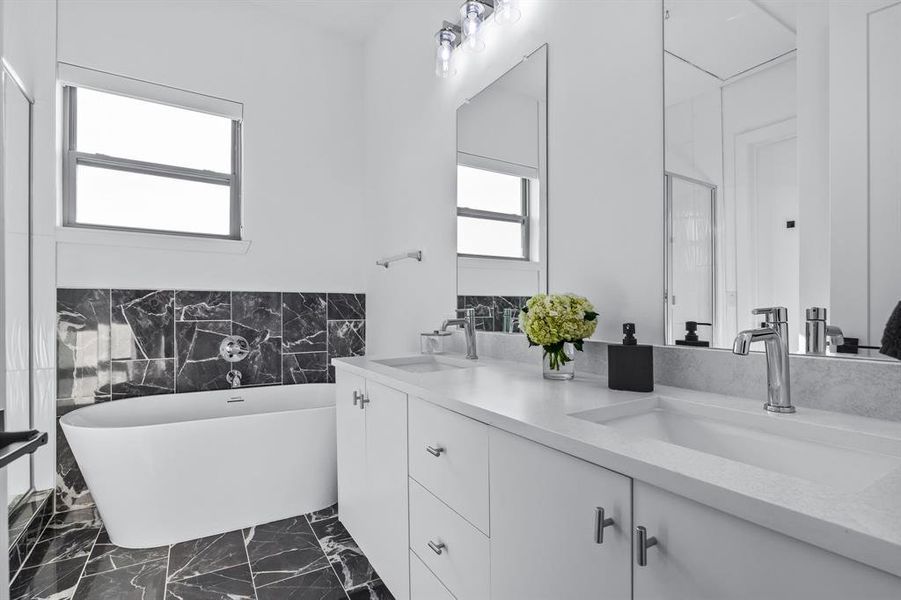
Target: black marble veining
{"points": [[304, 322], [233, 583], [202, 306], [71, 489], [282, 550], [142, 324], [206, 555], [309, 367], [143, 581], [374, 590], [310, 557], [349, 562], [346, 307], [83, 342], [346, 338], [51, 581], [143, 377], [263, 365], [199, 365], [106, 556]]}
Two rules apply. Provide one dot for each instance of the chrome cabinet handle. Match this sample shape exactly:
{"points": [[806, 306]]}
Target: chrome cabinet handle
{"points": [[434, 451], [357, 397], [642, 543], [601, 522], [437, 548], [364, 400]]}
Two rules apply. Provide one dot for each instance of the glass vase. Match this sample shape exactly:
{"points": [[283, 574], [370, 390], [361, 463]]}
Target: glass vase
{"points": [[555, 367]]}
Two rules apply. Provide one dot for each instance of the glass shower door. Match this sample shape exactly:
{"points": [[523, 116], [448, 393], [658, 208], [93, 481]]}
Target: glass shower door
{"points": [[690, 255], [15, 285]]}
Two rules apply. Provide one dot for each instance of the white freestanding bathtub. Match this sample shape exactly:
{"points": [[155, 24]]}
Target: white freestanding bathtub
{"points": [[165, 469]]}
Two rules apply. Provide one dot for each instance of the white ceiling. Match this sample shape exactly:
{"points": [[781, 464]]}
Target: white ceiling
{"points": [[728, 37], [353, 19]]}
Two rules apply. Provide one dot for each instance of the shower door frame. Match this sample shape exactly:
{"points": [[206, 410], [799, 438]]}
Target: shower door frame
{"points": [[668, 176], [9, 77]]}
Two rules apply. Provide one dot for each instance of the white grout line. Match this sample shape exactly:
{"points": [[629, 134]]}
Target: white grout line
{"points": [[253, 582], [86, 560], [327, 557], [168, 561]]}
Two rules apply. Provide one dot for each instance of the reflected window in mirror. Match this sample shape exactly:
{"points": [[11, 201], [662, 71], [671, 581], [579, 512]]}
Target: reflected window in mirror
{"points": [[493, 213]]}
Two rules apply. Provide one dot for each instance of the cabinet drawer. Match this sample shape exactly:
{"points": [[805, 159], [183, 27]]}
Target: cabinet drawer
{"points": [[458, 475], [423, 583], [463, 563]]}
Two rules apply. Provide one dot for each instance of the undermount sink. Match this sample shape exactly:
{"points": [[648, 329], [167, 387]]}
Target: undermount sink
{"points": [[426, 363], [841, 458]]}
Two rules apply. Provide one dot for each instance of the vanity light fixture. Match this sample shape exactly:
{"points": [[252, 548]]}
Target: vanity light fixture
{"points": [[447, 39], [474, 15], [472, 20], [506, 11]]}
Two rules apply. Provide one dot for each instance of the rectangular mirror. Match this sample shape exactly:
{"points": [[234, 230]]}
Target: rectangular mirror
{"points": [[502, 195], [782, 170]]}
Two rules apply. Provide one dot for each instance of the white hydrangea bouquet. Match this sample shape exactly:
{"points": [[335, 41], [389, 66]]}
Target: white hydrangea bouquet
{"points": [[559, 323]]}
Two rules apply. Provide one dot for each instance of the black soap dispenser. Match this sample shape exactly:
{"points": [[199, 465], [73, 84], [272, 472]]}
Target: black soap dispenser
{"points": [[691, 335], [630, 365]]}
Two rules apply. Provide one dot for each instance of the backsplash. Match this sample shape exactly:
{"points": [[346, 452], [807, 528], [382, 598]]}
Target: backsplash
{"points": [[115, 343], [850, 385], [490, 309]]}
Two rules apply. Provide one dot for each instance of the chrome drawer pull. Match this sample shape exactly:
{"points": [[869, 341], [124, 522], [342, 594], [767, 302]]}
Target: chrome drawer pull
{"points": [[434, 451], [437, 548], [601, 523], [364, 400], [357, 396], [642, 543]]}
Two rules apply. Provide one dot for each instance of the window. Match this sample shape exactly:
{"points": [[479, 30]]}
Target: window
{"points": [[492, 214], [134, 164]]}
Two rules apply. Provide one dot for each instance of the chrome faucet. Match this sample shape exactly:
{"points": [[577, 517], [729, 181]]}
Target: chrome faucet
{"points": [[468, 323], [773, 333], [818, 334]]}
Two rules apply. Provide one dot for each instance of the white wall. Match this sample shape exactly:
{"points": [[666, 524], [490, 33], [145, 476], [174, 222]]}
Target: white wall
{"points": [[605, 160], [303, 108], [29, 47]]}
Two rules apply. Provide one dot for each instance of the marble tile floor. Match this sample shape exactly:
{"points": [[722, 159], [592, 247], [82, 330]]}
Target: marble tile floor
{"points": [[310, 557]]}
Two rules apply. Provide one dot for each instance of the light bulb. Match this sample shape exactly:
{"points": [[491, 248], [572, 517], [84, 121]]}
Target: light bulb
{"points": [[444, 53], [506, 12], [471, 21]]}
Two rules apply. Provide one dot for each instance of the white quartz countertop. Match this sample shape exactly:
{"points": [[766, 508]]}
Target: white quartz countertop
{"points": [[863, 525]]}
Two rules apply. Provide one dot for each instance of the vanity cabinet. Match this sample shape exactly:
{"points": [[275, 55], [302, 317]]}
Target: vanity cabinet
{"points": [[704, 553], [449, 508], [548, 512], [372, 475]]}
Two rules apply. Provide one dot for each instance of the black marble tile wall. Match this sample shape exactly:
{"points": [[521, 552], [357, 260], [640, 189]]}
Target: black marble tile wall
{"points": [[490, 310], [116, 343]]}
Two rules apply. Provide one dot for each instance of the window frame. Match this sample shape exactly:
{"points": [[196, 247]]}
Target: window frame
{"points": [[72, 158], [523, 219]]}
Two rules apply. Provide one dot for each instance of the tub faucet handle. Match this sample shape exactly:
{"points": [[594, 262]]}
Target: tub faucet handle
{"points": [[233, 378]]}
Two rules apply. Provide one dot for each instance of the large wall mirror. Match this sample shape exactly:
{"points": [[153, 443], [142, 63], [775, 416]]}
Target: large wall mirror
{"points": [[502, 195], [783, 169]]}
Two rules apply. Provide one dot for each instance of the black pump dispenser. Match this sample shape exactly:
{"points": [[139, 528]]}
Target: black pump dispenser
{"points": [[630, 365], [691, 335]]}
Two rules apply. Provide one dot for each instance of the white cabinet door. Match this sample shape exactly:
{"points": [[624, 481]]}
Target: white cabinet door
{"points": [[387, 539], [543, 511], [705, 553], [351, 430]]}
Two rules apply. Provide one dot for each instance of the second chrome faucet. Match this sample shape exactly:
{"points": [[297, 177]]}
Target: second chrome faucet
{"points": [[773, 333]]}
